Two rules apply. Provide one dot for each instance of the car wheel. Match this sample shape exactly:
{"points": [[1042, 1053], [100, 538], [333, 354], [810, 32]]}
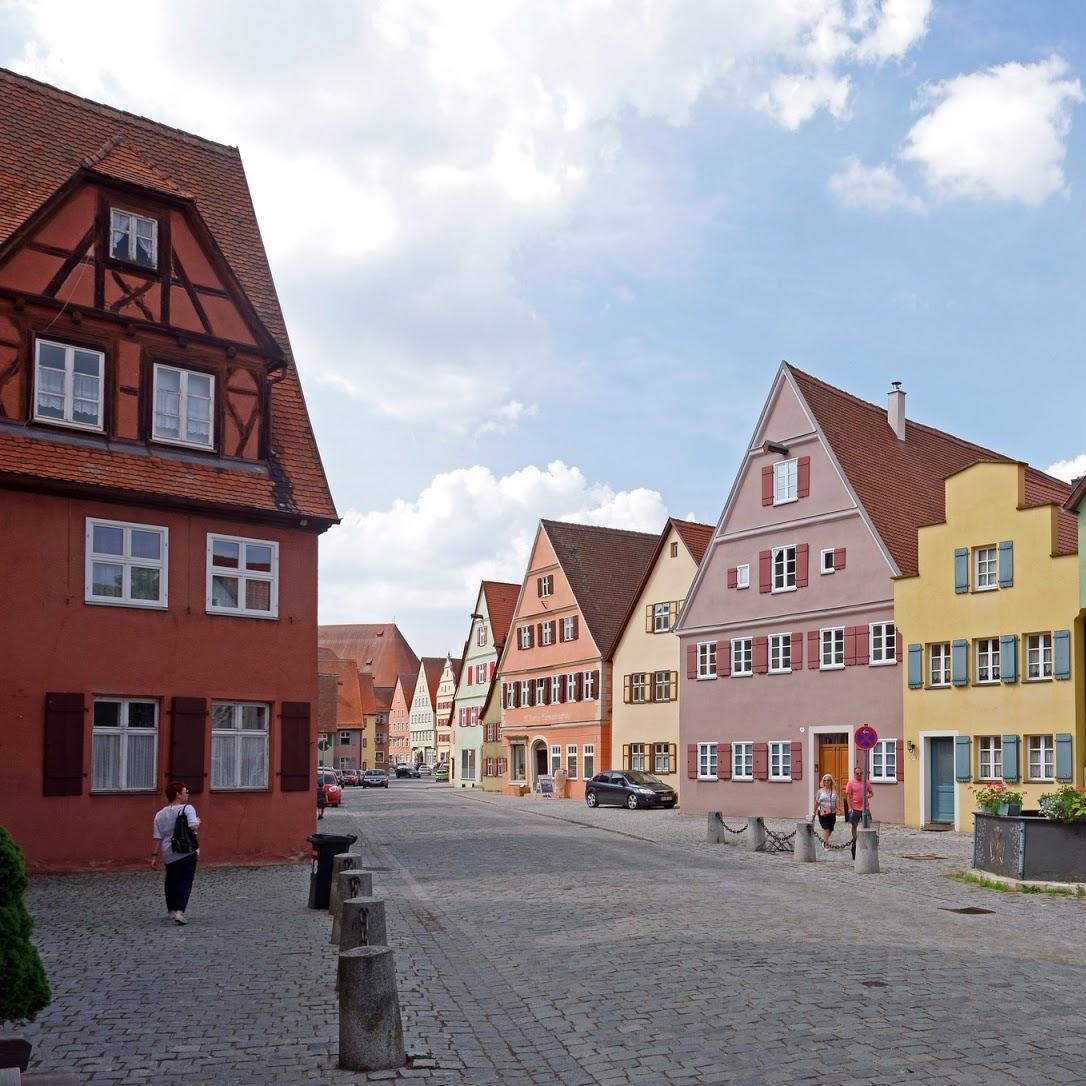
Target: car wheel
{"points": [[590, 799], [631, 802]]}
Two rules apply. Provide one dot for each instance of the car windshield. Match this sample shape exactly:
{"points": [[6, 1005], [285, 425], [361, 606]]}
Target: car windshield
{"points": [[635, 776]]}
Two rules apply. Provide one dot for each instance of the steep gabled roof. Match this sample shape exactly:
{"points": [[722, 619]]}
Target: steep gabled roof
{"points": [[369, 697], [456, 667], [406, 681], [501, 604], [349, 709], [433, 666], [383, 696], [378, 649], [603, 566]]}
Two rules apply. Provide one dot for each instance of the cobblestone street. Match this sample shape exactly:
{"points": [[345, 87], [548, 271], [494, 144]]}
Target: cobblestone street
{"points": [[540, 942]]}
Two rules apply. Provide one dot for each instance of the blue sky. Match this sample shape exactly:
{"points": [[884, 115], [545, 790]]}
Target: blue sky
{"points": [[544, 260]]}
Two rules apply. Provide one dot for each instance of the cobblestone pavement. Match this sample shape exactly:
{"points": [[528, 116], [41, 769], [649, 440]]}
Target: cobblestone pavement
{"points": [[540, 942]]}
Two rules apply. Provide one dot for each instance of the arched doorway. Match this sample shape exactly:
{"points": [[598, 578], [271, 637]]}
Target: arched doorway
{"points": [[540, 765]]}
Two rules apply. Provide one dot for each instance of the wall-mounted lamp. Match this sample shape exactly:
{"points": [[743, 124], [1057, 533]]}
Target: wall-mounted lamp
{"points": [[775, 447], [911, 746]]}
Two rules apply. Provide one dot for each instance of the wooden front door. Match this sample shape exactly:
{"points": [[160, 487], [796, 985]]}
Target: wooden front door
{"points": [[941, 768], [833, 759]]}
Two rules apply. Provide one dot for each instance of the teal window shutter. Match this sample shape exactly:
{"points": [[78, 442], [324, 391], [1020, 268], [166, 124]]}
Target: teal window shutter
{"points": [[1006, 564], [963, 758], [959, 663], [1061, 654], [1010, 757], [1008, 658], [961, 569], [916, 667], [1064, 772]]}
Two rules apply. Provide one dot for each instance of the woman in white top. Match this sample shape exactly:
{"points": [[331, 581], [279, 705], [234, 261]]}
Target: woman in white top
{"points": [[826, 808], [180, 867]]}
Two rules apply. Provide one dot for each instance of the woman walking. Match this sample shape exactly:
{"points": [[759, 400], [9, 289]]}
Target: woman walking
{"points": [[180, 866], [826, 808]]}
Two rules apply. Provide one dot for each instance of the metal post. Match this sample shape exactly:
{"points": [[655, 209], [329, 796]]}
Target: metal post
{"points": [[867, 774]]}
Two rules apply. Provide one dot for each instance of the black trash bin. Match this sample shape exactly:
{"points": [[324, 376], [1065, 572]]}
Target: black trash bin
{"points": [[325, 847]]}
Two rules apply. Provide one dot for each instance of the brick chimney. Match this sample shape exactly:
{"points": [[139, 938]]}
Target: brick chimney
{"points": [[895, 410]]}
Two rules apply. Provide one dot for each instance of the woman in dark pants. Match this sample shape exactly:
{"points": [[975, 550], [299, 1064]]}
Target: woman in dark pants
{"points": [[180, 868]]}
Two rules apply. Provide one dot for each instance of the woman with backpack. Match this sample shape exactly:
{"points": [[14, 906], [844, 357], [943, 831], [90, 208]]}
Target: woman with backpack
{"points": [[174, 838]]}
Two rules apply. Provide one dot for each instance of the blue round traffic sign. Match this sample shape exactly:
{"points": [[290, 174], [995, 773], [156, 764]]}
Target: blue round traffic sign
{"points": [[866, 737]]}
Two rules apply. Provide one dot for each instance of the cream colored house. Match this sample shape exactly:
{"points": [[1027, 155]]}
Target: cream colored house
{"points": [[645, 664]]}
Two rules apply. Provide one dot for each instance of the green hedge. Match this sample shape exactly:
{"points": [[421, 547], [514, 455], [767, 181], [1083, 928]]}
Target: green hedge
{"points": [[24, 989]]}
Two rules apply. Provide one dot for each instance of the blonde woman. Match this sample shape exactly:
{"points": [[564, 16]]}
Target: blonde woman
{"points": [[826, 808]]}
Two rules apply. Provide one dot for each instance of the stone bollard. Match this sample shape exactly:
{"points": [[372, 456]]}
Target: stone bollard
{"points": [[345, 861], [715, 833], [348, 884], [755, 834], [362, 923], [867, 852], [370, 1029], [805, 843]]}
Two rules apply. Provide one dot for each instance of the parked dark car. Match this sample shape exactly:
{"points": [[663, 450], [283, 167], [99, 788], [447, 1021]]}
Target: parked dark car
{"points": [[407, 771], [349, 776], [375, 778], [630, 788]]}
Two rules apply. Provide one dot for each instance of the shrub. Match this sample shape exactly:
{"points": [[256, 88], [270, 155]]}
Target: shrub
{"points": [[24, 989], [1066, 805]]}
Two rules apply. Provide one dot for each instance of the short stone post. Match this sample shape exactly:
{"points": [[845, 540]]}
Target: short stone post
{"points": [[867, 852], [755, 834], [370, 1029], [362, 923], [805, 843], [348, 884], [715, 833], [345, 861]]}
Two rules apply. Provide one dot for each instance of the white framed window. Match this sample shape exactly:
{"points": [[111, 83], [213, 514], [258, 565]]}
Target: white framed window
{"points": [[985, 568], [568, 628], [832, 648], [742, 576], [639, 687], [884, 761], [571, 761], [742, 656], [662, 686], [556, 758], [242, 576], [126, 565], [780, 761], [706, 659], [784, 568], [524, 637], [518, 762], [68, 384], [541, 691], [825, 562], [990, 758], [571, 686], [883, 643], [183, 402], [987, 660], [481, 635], [546, 585], [674, 550], [239, 745], [1038, 657], [379, 757], [1041, 757], [546, 633], [939, 664], [780, 653], [661, 617], [124, 745], [639, 756], [785, 487], [588, 687], [133, 238], [661, 758], [707, 761], [344, 738], [556, 689], [589, 760], [742, 761]]}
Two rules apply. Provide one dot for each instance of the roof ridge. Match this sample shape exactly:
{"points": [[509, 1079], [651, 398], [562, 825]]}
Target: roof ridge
{"points": [[598, 528], [692, 523]]}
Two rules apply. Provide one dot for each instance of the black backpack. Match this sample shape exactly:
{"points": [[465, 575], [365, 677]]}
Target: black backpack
{"points": [[184, 838]]}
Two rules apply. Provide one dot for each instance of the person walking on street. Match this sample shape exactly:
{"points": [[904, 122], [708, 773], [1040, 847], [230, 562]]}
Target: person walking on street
{"points": [[854, 803], [826, 808], [322, 801], [180, 867]]}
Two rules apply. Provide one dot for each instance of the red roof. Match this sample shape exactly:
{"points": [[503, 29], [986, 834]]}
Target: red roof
{"points": [[695, 536], [433, 666], [501, 603], [378, 649], [46, 136]]}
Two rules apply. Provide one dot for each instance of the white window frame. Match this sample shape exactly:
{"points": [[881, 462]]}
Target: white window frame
{"points": [[661, 750], [831, 638], [881, 638], [742, 656], [68, 393], [639, 685], [571, 686], [133, 219], [990, 758], [344, 738], [1041, 757], [588, 757], [237, 734], [546, 633], [985, 568], [588, 686], [556, 757], [786, 556], [546, 585], [884, 754], [567, 627], [571, 761], [707, 761], [823, 567], [780, 759], [742, 761], [742, 576], [706, 660], [243, 576], [183, 416], [128, 562], [518, 760], [481, 635], [661, 611], [786, 481], [661, 687], [556, 689], [939, 661], [122, 730], [987, 649], [524, 637], [780, 646], [639, 756], [1039, 657], [541, 691]]}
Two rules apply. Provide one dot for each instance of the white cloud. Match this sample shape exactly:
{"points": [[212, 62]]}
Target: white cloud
{"points": [[895, 28], [421, 560], [873, 188], [999, 133], [1068, 470], [505, 417], [792, 100]]}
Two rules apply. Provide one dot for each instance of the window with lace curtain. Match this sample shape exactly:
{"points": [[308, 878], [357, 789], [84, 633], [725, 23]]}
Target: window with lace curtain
{"points": [[183, 401], [68, 385], [239, 745], [242, 576], [124, 743]]}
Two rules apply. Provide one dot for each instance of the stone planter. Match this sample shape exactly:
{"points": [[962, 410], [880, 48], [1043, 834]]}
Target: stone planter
{"points": [[1027, 846]]}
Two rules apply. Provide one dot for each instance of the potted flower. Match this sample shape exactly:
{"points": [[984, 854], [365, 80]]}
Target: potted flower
{"points": [[1068, 804], [997, 798]]}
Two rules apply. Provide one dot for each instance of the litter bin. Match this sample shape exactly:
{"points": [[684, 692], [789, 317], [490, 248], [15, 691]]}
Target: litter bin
{"points": [[326, 846]]}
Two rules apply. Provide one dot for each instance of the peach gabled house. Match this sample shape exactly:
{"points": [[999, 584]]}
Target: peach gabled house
{"points": [[399, 718], [555, 671]]}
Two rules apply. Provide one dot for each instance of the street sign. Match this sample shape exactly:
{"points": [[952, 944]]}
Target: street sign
{"points": [[866, 737], [323, 744]]}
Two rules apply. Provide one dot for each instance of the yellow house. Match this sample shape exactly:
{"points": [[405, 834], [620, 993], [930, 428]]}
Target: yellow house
{"points": [[645, 712], [993, 635]]}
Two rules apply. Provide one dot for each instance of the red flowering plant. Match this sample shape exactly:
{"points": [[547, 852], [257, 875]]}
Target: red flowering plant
{"points": [[995, 794]]}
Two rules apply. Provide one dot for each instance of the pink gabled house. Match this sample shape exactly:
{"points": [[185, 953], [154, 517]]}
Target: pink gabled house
{"points": [[788, 637]]}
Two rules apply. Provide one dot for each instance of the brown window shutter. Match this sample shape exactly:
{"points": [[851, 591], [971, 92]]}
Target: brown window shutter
{"points": [[803, 552], [531, 636], [839, 558], [797, 651], [797, 761], [649, 624], [539, 586], [814, 650], [850, 645], [188, 737], [723, 761], [64, 729], [295, 747], [562, 696], [767, 485], [691, 661], [761, 761], [625, 755], [673, 687], [897, 644], [900, 745], [765, 571], [580, 685], [723, 659], [672, 758], [863, 644], [546, 692], [598, 695], [576, 628], [692, 760], [733, 576], [803, 476], [760, 655], [539, 633]]}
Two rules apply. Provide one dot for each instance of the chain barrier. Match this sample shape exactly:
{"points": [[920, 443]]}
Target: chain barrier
{"points": [[742, 829], [779, 842]]}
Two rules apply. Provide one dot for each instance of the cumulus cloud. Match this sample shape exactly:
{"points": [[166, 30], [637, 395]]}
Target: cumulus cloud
{"points": [[421, 560], [873, 188], [1068, 470]]}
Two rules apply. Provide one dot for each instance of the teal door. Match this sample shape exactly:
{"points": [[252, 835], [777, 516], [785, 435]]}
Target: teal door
{"points": [[941, 770]]}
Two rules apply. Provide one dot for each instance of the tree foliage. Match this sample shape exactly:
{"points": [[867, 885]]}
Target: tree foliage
{"points": [[24, 989]]}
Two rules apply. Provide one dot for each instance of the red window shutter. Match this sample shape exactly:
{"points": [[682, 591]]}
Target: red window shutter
{"points": [[897, 644], [760, 655], [814, 650], [64, 729], [839, 558], [761, 761], [863, 644], [470, 670], [767, 485], [188, 736], [803, 476], [900, 759], [797, 761], [492, 669], [797, 651], [733, 577], [723, 761], [765, 571], [850, 645], [691, 661], [692, 760], [802, 559], [723, 658], [295, 747]]}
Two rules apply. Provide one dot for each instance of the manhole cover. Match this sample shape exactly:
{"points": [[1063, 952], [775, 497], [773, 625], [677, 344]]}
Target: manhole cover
{"points": [[969, 910], [873, 983]]}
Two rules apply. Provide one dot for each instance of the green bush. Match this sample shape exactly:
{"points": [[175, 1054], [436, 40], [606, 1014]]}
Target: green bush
{"points": [[1066, 805], [24, 989]]}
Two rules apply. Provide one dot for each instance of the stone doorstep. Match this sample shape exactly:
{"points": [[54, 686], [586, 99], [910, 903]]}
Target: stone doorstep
{"points": [[1018, 884]]}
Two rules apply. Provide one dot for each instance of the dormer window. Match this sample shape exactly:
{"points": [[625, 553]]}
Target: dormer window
{"points": [[133, 238], [182, 412], [68, 385]]}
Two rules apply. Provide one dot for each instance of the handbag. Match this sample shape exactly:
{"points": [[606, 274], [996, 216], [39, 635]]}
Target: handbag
{"points": [[184, 839]]}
